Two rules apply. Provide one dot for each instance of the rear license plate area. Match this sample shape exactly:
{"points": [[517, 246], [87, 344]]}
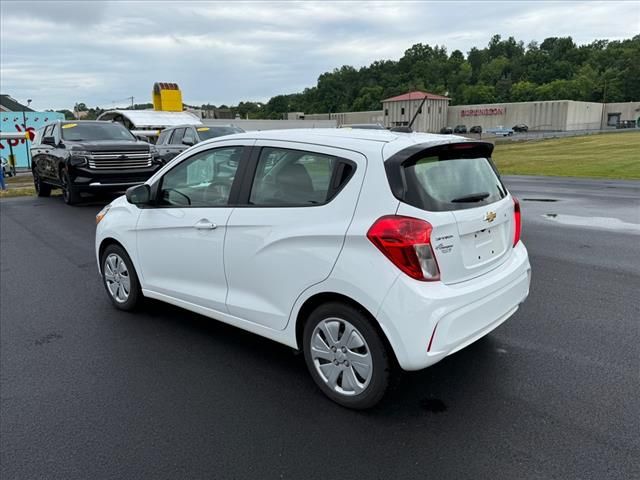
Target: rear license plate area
{"points": [[483, 245]]}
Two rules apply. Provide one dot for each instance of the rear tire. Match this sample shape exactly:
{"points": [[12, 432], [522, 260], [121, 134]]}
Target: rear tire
{"points": [[42, 189], [346, 356], [120, 279], [70, 193]]}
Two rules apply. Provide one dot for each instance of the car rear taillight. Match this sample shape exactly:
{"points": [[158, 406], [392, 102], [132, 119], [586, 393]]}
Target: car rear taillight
{"points": [[406, 242], [517, 220]]}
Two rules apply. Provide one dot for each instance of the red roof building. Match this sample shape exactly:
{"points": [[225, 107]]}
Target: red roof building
{"points": [[416, 95], [428, 111]]}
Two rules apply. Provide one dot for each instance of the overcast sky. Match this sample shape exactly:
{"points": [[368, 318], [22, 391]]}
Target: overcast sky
{"points": [[59, 53]]}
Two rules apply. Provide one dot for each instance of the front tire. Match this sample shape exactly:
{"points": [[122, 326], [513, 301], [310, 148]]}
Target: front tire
{"points": [[42, 189], [120, 278], [70, 193], [346, 356]]}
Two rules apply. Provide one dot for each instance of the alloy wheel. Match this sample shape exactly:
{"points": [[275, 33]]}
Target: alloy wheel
{"points": [[116, 277], [341, 356]]}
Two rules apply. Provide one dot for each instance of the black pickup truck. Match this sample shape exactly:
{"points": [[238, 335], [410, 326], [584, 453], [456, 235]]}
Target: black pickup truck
{"points": [[89, 156]]}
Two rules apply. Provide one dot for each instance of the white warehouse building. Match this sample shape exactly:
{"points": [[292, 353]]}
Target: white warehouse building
{"points": [[432, 112], [553, 115]]}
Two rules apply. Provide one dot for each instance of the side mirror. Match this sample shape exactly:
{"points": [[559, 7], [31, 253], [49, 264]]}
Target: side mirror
{"points": [[49, 141], [188, 141], [139, 194]]}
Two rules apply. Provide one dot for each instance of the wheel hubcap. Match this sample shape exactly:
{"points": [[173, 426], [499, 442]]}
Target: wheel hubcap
{"points": [[341, 356], [116, 277]]}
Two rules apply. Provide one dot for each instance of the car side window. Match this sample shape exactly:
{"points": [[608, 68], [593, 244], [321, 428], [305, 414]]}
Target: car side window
{"points": [[48, 131], [292, 178], [203, 180], [189, 134], [38, 138], [162, 138], [176, 138], [55, 132]]}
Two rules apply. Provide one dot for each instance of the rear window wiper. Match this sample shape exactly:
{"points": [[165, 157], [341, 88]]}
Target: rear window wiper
{"points": [[474, 197]]}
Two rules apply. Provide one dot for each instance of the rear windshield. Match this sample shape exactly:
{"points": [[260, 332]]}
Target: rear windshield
{"points": [[95, 131], [441, 182]]}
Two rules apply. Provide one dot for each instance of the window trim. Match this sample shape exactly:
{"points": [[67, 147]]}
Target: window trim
{"points": [[235, 186], [252, 168]]}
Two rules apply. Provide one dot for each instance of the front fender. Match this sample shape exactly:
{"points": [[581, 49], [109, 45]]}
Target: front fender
{"points": [[119, 225]]}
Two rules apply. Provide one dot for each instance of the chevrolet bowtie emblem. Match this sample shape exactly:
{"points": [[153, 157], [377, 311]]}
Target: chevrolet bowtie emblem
{"points": [[490, 216]]}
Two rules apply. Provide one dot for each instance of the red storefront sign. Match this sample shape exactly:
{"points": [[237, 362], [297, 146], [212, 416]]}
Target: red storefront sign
{"points": [[476, 112]]}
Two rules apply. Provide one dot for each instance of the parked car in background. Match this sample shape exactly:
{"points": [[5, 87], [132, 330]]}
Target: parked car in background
{"points": [[90, 157], [500, 130], [446, 130], [362, 257], [175, 140], [520, 128], [460, 129], [364, 126], [475, 129]]}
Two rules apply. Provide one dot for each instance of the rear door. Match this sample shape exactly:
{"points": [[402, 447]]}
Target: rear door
{"points": [[298, 202], [459, 193]]}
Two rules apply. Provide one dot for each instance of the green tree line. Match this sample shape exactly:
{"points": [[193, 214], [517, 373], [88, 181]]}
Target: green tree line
{"points": [[504, 71]]}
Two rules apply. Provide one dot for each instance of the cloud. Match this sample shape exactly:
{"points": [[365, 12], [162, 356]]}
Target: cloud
{"points": [[59, 12], [59, 53]]}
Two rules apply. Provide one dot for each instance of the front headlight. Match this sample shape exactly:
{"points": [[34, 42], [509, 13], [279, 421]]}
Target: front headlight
{"points": [[79, 157], [101, 214]]}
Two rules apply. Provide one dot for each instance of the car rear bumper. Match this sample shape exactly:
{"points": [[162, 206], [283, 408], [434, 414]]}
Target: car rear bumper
{"points": [[425, 322]]}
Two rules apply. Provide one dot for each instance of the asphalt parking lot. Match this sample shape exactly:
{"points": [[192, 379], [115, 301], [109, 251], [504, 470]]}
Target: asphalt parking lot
{"points": [[91, 392]]}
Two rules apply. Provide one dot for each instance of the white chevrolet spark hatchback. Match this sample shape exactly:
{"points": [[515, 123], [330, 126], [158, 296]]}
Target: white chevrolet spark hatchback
{"points": [[364, 249]]}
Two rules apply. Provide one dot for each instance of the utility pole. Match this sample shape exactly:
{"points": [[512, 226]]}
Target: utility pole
{"points": [[603, 123], [114, 102], [26, 142]]}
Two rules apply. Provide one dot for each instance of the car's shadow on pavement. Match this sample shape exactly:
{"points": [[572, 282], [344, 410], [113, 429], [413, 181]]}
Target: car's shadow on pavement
{"points": [[95, 200], [465, 378]]}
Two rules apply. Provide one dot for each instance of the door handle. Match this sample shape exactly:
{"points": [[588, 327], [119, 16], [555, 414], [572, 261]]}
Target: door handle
{"points": [[205, 225]]}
